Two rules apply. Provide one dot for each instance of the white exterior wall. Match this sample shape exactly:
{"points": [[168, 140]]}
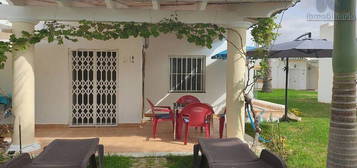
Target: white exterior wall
{"points": [[325, 68], [312, 82], [157, 71], [4, 36], [297, 74], [326, 71], [326, 31], [278, 73], [325, 80], [52, 78], [301, 75]]}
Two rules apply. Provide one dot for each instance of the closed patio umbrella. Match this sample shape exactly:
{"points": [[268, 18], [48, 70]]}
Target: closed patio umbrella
{"points": [[302, 47]]}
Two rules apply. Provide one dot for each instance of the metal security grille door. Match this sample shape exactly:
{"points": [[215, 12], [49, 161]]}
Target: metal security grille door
{"points": [[106, 88], [94, 88]]}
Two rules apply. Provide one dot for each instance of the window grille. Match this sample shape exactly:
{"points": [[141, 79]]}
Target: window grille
{"points": [[187, 74]]}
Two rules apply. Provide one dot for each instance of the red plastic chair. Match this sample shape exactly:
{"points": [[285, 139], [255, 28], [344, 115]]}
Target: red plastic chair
{"points": [[196, 115], [222, 119], [167, 115], [187, 99]]}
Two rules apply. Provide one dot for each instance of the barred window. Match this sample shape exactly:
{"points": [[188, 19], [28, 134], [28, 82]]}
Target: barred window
{"points": [[187, 74]]}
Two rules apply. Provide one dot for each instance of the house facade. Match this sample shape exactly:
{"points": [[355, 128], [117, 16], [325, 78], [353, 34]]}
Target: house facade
{"points": [[63, 72], [100, 83]]}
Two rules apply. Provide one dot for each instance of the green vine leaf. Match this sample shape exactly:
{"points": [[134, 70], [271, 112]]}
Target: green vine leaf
{"points": [[263, 35], [199, 34]]}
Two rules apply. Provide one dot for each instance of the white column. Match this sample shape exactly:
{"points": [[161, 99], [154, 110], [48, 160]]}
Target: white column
{"points": [[236, 69], [24, 92]]}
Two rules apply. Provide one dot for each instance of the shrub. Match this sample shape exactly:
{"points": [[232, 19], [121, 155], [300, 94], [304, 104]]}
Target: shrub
{"points": [[277, 144], [296, 111]]}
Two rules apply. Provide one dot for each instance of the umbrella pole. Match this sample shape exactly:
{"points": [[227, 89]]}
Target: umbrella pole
{"points": [[20, 139], [285, 118]]}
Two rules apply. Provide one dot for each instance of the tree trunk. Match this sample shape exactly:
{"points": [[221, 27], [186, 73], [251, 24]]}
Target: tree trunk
{"points": [[342, 147], [342, 151], [267, 85]]}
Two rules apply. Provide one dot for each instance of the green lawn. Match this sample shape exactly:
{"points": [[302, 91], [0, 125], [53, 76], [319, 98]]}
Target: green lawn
{"points": [[307, 140], [113, 161], [179, 161]]}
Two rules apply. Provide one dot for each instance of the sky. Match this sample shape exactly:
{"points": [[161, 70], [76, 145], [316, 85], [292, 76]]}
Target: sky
{"points": [[295, 21]]}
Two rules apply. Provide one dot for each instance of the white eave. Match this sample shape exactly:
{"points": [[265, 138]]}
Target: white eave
{"points": [[228, 12], [5, 26]]}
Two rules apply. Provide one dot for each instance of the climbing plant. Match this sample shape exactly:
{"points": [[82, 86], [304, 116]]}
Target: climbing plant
{"points": [[4, 47], [200, 34], [264, 33]]}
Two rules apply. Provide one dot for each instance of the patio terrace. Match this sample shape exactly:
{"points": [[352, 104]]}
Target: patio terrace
{"points": [[137, 138], [124, 138]]}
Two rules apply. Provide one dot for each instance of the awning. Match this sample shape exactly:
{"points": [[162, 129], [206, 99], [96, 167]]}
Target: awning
{"points": [[4, 100], [223, 55]]}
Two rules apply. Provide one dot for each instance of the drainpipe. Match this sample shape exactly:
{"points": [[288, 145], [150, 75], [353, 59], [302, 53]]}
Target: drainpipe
{"points": [[143, 54]]}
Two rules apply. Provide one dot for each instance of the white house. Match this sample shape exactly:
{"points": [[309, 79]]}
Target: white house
{"points": [[303, 73], [100, 83], [61, 80], [326, 73]]}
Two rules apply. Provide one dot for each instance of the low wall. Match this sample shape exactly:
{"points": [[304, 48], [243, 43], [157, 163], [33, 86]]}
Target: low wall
{"points": [[268, 111]]}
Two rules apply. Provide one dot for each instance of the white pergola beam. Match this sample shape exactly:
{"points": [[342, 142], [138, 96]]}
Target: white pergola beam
{"points": [[156, 4], [18, 2], [63, 3], [235, 16], [203, 5], [119, 4], [5, 26], [5, 35], [109, 4]]}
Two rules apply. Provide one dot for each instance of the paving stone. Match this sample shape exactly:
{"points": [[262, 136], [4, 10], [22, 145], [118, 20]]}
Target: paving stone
{"points": [[150, 162]]}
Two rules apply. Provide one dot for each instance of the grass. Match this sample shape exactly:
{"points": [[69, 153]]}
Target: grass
{"points": [[179, 161], [113, 161], [306, 140]]}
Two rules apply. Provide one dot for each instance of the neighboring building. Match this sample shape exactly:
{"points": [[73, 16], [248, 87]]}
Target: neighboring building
{"points": [[303, 73], [326, 73]]}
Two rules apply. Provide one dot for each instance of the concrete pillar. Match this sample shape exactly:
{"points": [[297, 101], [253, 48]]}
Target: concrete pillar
{"points": [[24, 92], [236, 69]]}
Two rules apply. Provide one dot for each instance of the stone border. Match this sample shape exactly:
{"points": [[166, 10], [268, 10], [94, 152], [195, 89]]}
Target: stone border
{"points": [[152, 154], [268, 105]]}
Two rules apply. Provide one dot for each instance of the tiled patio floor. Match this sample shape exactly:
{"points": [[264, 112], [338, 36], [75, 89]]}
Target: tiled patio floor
{"points": [[129, 139], [125, 139]]}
